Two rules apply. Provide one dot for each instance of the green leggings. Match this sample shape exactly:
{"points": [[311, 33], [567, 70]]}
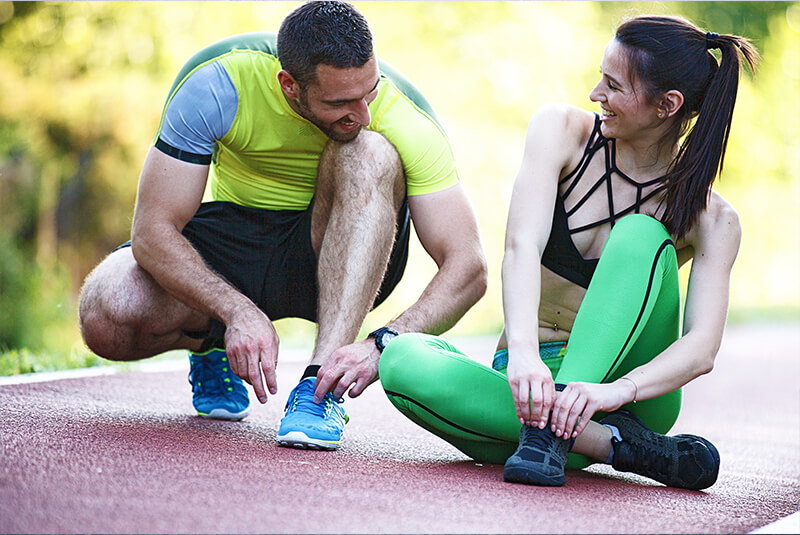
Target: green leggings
{"points": [[630, 314]]}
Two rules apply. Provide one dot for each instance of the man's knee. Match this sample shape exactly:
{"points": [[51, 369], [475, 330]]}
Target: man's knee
{"points": [[97, 328], [368, 156], [101, 317]]}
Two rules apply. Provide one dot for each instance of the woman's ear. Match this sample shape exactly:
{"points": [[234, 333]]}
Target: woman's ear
{"points": [[670, 103]]}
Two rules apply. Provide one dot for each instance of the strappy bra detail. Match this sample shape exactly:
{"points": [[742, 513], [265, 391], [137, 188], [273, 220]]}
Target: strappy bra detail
{"points": [[561, 256]]}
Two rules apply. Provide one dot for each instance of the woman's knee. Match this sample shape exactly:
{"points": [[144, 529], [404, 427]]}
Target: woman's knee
{"points": [[636, 236]]}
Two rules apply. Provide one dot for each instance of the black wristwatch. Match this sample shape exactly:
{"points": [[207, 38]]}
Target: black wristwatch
{"points": [[382, 336]]}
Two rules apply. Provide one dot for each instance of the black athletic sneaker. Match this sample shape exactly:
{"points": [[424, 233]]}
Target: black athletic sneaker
{"points": [[539, 459], [683, 461]]}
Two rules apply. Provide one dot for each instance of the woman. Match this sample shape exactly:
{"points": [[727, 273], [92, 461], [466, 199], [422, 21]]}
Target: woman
{"points": [[605, 209]]}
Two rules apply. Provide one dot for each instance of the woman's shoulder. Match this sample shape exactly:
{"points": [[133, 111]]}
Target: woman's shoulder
{"points": [[569, 124], [718, 212], [719, 222], [566, 116]]}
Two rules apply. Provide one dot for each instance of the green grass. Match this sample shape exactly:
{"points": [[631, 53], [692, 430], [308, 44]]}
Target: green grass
{"points": [[19, 361]]}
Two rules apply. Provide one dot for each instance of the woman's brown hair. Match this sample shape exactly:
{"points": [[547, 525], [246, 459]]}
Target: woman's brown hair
{"points": [[669, 53]]}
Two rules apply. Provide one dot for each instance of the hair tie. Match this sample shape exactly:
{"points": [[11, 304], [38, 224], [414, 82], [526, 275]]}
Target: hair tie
{"points": [[712, 40]]}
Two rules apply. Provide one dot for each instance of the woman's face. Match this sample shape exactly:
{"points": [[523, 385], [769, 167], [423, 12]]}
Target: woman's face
{"points": [[624, 111]]}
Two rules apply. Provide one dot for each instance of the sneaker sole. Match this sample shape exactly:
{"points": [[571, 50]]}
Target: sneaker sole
{"points": [[222, 414], [518, 474], [298, 439]]}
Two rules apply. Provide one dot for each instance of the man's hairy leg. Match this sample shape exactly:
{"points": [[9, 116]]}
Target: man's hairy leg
{"points": [[125, 315], [360, 189]]}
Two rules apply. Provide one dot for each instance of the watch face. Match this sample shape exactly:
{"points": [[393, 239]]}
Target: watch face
{"points": [[386, 338]]}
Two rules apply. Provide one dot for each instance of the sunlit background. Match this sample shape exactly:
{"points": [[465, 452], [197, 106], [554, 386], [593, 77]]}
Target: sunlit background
{"points": [[82, 85]]}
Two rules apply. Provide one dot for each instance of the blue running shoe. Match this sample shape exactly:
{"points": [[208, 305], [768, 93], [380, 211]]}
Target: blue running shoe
{"points": [[309, 425], [217, 392]]}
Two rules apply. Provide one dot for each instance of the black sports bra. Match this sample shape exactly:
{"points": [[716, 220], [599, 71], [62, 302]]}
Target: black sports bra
{"points": [[560, 255]]}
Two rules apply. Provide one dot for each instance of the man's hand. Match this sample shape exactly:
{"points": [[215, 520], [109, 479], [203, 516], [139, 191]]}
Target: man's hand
{"points": [[252, 346], [353, 365]]}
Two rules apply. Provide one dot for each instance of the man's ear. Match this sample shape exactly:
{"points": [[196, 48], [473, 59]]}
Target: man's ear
{"points": [[670, 103], [289, 85]]}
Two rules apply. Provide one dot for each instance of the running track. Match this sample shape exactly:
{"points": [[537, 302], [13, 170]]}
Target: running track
{"points": [[123, 453]]}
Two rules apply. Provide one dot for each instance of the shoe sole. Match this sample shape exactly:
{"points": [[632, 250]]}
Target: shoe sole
{"points": [[518, 474], [222, 414], [298, 439]]}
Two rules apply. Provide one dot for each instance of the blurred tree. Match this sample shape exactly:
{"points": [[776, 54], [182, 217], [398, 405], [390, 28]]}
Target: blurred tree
{"points": [[749, 19]]}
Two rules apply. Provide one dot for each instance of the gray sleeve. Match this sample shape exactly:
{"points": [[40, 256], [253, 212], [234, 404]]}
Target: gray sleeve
{"points": [[200, 112]]}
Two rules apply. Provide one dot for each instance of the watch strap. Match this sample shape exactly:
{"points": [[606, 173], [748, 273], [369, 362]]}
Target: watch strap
{"points": [[378, 335]]}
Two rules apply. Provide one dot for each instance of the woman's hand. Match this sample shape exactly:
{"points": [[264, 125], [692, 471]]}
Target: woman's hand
{"points": [[578, 402], [532, 387]]}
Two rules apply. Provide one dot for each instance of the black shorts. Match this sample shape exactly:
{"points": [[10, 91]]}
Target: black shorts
{"points": [[267, 255]]}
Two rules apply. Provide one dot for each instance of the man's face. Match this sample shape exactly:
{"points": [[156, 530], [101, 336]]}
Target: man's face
{"points": [[337, 101]]}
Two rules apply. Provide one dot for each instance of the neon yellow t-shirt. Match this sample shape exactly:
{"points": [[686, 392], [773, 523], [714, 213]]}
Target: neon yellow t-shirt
{"points": [[267, 156]]}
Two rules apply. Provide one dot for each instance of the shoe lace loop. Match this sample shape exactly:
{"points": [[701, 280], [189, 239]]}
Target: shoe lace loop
{"points": [[533, 436], [209, 375], [302, 400]]}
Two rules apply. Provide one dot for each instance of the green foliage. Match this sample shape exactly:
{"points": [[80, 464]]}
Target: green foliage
{"points": [[82, 85], [17, 361], [749, 19], [37, 311]]}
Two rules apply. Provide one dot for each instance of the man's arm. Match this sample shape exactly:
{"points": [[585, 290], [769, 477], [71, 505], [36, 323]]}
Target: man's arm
{"points": [[170, 192], [448, 230]]}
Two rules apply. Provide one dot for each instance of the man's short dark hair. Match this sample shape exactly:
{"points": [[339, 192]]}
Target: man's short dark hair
{"points": [[323, 31]]}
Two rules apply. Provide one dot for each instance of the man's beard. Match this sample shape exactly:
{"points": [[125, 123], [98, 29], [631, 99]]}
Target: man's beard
{"points": [[327, 128]]}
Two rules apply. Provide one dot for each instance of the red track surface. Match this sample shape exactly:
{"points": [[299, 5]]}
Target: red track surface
{"points": [[123, 454]]}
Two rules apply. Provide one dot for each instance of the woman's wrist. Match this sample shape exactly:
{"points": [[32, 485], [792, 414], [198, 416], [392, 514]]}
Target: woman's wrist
{"points": [[632, 387], [523, 344]]}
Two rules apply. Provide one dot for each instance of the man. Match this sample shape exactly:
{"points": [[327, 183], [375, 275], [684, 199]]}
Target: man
{"points": [[309, 167]]}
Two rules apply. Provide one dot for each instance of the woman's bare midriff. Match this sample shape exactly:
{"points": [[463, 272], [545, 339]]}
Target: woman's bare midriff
{"points": [[558, 306]]}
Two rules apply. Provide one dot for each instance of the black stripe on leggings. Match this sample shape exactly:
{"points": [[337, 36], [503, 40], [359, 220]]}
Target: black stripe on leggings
{"points": [[664, 245], [445, 420]]}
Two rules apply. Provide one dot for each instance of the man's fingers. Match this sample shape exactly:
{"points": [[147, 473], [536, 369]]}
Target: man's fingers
{"points": [[325, 380], [254, 375], [231, 356], [348, 378], [360, 384], [361, 381], [268, 364]]}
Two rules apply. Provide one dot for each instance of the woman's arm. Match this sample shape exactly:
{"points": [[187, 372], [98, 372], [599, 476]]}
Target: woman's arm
{"points": [[715, 240], [554, 135]]}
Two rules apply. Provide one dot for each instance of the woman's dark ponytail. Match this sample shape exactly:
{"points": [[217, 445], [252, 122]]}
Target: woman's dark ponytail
{"points": [[669, 53]]}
